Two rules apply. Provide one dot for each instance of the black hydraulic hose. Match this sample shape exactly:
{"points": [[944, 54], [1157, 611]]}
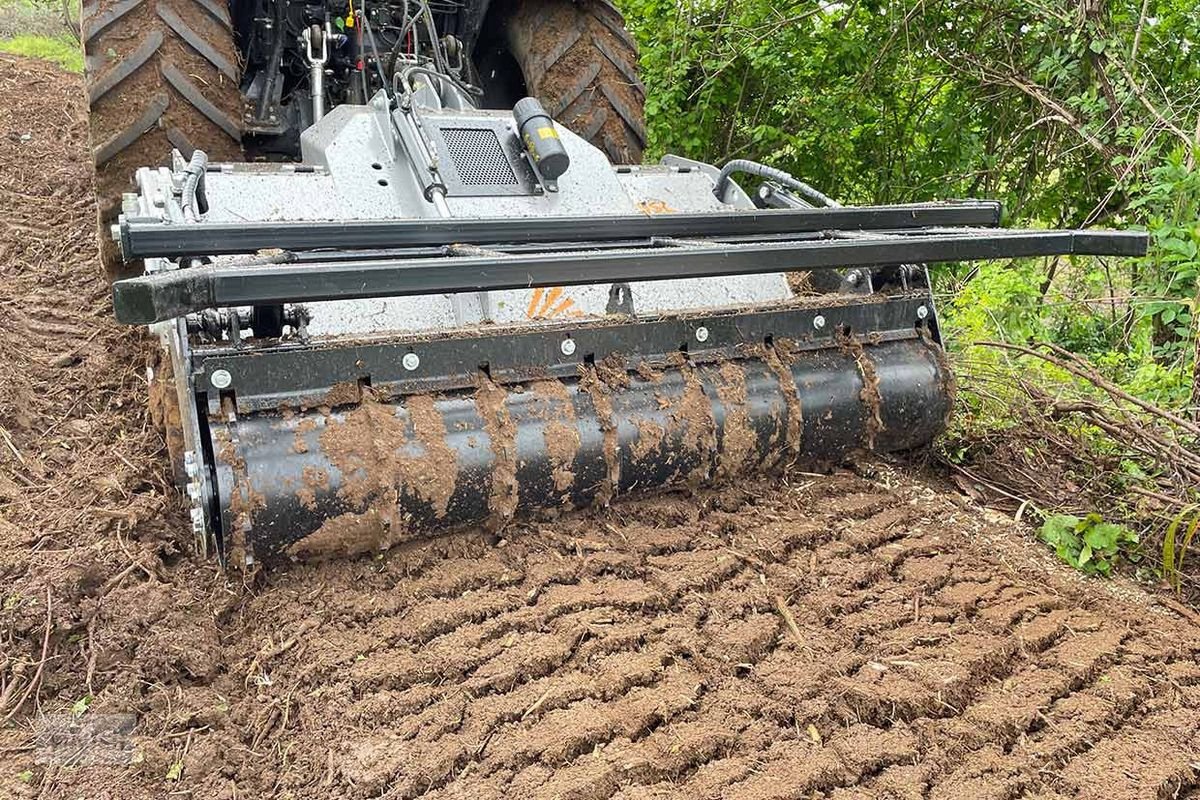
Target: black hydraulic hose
{"points": [[467, 89], [434, 43], [374, 50], [771, 174], [268, 93], [394, 55]]}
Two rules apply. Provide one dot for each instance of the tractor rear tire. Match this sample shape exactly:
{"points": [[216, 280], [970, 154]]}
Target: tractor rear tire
{"points": [[581, 62], [160, 74]]}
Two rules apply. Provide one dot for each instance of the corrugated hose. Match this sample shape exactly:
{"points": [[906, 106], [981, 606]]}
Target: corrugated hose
{"points": [[770, 173], [191, 185]]}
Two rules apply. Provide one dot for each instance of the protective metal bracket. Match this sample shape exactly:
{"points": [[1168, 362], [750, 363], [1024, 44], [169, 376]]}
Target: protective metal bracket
{"points": [[151, 298], [300, 376], [141, 238]]}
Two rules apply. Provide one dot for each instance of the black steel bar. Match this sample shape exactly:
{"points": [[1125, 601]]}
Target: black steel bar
{"points": [[147, 239], [164, 295], [426, 251], [299, 374]]}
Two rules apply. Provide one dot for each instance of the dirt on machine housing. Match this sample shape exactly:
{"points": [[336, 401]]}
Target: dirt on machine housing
{"points": [[446, 316]]}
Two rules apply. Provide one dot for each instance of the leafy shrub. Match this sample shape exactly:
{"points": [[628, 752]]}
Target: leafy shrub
{"points": [[1090, 544]]}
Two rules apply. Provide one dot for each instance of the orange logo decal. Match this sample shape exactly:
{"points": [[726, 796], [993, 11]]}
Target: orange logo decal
{"points": [[550, 303]]}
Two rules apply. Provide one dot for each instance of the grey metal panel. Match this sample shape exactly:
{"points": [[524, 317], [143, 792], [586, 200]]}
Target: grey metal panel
{"points": [[663, 189]]}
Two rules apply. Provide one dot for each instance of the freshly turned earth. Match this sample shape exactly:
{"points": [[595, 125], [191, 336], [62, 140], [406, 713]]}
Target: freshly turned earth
{"points": [[807, 636]]}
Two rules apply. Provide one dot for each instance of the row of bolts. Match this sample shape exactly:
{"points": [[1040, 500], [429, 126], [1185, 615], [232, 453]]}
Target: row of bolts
{"points": [[222, 379]]}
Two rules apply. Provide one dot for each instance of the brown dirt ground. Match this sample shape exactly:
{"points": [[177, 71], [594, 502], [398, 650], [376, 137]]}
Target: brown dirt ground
{"points": [[855, 635]]}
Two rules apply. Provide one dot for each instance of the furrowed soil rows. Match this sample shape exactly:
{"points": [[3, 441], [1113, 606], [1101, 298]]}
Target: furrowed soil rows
{"points": [[811, 636]]}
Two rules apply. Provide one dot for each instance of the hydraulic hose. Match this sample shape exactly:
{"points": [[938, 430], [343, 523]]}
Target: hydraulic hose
{"points": [[770, 173], [193, 205]]}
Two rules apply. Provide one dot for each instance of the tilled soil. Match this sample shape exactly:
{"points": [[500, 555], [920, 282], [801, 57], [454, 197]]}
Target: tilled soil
{"points": [[863, 634]]}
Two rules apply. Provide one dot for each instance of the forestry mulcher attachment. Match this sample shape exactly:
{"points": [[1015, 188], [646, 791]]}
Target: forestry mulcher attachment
{"points": [[445, 316]]}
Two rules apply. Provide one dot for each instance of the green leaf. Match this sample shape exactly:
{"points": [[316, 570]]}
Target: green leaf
{"points": [[1104, 537], [1058, 528], [1068, 553], [81, 705], [1091, 545], [1168, 549], [176, 771], [1187, 539], [1178, 246], [26, 776]]}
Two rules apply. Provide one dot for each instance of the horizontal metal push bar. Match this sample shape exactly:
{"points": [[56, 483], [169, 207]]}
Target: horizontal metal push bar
{"points": [[169, 294], [155, 239]]}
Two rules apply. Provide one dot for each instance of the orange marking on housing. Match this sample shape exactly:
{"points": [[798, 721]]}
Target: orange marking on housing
{"points": [[561, 307], [534, 301], [546, 304], [551, 298]]}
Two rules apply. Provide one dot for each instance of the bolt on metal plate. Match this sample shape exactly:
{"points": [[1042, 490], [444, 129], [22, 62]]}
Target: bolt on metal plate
{"points": [[702, 334], [410, 361], [567, 346], [221, 378]]}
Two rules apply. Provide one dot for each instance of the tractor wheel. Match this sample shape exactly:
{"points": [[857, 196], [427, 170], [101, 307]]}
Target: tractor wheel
{"points": [[160, 74], [578, 59]]}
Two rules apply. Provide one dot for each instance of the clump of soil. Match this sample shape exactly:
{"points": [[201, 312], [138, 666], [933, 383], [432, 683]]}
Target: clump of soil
{"points": [[740, 440], [560, 435], [831, 636]]}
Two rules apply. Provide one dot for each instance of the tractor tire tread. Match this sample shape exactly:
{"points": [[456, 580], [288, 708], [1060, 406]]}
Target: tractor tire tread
{"points": [[157, 72], [595, 121], [574, 91], [95, 22], [191, 91], [577, 58], [140, 55], [127, 136], [621, 65], [197, 43], [180, 141], [218, 11]]}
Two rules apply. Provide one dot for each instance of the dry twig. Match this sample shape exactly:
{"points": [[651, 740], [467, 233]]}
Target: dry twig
{"points": [[36, 681]]}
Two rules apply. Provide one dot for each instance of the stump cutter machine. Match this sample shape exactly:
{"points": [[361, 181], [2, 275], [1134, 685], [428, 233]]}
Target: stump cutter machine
{"points": [[446, 316]]}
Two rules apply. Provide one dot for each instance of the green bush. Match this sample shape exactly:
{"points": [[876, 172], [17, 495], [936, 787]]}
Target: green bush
{"points": [[1072, 114]]}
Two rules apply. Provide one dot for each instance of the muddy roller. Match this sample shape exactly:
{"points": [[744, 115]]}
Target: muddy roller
{"points": [[449, 316], [363, 476]]}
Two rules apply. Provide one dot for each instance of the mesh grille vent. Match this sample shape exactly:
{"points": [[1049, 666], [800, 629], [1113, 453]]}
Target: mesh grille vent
{"points": [[478, 157]]}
